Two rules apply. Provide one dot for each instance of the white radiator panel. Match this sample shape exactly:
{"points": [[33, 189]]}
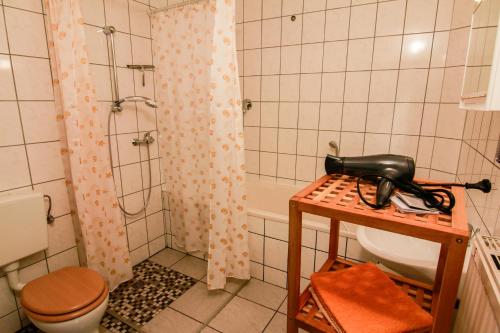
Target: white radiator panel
{"points": [[477, 314]]}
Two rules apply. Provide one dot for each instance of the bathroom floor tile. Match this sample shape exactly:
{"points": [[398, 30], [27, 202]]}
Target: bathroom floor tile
{"points": [[113, 325], [167, 257], [232, 285], [151, 290], [172, 321], [283, 306], [277, 324], [263, 293], [29, 329], [191, 266], [241, 315], [200, 303]]}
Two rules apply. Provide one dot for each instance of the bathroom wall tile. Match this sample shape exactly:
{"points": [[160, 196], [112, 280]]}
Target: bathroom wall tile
{"points": [[13, 177], [390, 17], [420, 16], [288, 115], [61, 235], [268, 162], [387, 52], [404, 145], [424, 154], [256, 224], [7, 300], [411, 85], [123, 47], [445, 155], [337, 3], [376, 144], [360, 54], [251, 88], [269, 114], [128, 152], [252, 161], [313, 29], [407, 118], [271, 61], [93, 12], [252, 10], [305, 168], [58, 191], [39, 121], [271, 32], [32, 272], [354, 117], [451, 120], [289, 88], [271, 8], [307, 262], [332, 87], [444, 14], [335, 55], [291, 7], [252, 138], [310, 87], [314, 5], [155, 225], [312, 58], [139, 255], [256, 270], [291, 31], [45, 161], [156, 245], [286, 166], [276, 230], [10, 127], [131, 178], [252, 35], [290, 59], [117, 14], [96, 43], [439, 48], [269, 139], [276, 254], [357, 85], [362, 22], [139, 19], [416, 51], [324, 138], [26, 32], [337, 24], [256, 246], [141, 51], [452, 84], [351, 144], [379, 118], [319, 259], [32, 5], [330, 116], [434, 84], [252, 118], [137, 234], [307, 142], [429, 119], [28, 88], [133, 203], [383, 86], [270, 88], [252, 64], [155, 203], [275, 276], [4, 47], [102, 81]]}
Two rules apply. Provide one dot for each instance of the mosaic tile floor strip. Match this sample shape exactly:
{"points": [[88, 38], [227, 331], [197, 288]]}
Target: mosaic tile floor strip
{"points": [[116, 326], [29, 329], [151, 290]]}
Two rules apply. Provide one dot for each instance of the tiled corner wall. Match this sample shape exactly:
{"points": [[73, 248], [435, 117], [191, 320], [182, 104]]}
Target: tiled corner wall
{"points": [[29, 139], [477, 161], [374, 76]]}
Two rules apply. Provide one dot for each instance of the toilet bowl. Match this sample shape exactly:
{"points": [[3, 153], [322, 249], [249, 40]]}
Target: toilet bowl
{"points": [[72, 299]]}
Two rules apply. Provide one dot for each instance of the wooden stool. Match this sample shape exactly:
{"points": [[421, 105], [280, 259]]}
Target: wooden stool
{"points": [[336, 197]]}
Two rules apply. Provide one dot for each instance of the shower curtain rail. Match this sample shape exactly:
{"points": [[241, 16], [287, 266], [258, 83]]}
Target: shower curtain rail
{"points": [[176, 5]]}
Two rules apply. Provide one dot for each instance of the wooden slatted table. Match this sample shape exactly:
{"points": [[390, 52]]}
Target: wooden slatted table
{"points": [[336, 197]]}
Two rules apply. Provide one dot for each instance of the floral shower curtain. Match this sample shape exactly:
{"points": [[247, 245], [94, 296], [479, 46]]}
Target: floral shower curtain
{"points": [[84, 143], [201, 133]]}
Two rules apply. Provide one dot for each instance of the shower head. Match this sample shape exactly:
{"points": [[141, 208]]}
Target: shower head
{"points": [[149, 102]]}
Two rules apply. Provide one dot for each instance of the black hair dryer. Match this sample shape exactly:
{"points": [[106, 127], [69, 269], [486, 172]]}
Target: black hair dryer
{"points": [[396, 167]]}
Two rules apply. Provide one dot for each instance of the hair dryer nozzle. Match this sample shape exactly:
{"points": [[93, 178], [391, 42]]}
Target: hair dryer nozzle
{"points": [[334, 164], [484, 185]]}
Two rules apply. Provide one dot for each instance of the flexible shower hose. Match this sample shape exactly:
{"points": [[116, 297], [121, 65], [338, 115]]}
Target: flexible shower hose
{"points": [[113, 172]]}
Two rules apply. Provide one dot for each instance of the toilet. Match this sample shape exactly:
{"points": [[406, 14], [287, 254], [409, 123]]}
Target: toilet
{"points": [[68, 300]]}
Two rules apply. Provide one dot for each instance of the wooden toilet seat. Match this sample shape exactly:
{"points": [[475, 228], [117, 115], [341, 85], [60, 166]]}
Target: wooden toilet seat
{"points": [[63, 295]]}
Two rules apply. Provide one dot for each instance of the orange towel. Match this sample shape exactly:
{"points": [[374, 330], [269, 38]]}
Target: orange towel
{"points": [[362, 299]]}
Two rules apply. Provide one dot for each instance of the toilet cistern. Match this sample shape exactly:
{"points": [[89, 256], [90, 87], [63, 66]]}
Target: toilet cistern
{"points": [[23, 231]]}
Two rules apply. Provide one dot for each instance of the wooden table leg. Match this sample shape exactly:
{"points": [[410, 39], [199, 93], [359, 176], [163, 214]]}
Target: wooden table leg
{"points": [[449, 272], [294, 252], [334, 239]]}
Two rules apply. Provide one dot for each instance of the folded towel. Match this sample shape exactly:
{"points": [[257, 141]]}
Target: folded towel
{"points": [[362, 299]]}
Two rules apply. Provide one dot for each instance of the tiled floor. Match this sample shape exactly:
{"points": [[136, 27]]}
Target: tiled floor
{"points": [[244, 306]]}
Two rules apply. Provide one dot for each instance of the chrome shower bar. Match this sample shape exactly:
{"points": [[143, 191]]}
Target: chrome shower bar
{"points": [[109, 32], [175, 5], [142, 67]]}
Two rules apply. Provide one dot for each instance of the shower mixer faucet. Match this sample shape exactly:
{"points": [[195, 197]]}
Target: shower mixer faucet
{"points": [[147, 139]]}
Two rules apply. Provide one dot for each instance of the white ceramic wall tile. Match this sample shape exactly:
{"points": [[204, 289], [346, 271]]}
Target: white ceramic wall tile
{"points": [[26, 32], [276, 254], [45, 161], [10, 128], [61, 235], [39, 121], [32, 5], [33, 78], [4, 47]]}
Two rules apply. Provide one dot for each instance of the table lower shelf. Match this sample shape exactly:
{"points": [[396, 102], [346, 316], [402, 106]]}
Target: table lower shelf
{"points": [[312, 320]]}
